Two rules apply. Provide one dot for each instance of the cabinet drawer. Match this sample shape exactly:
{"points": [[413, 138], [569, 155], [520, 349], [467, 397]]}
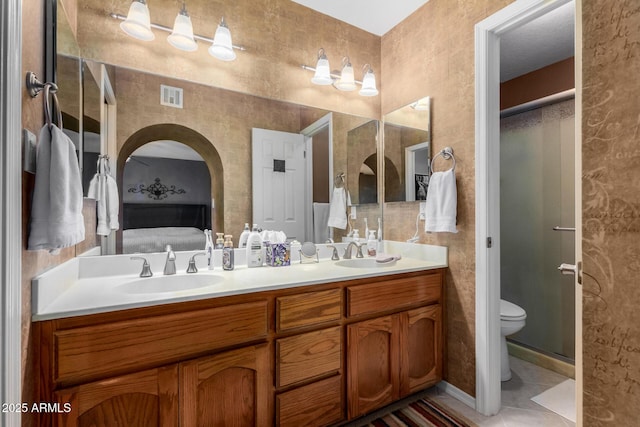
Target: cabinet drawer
{"points": [[306, 356], [316, 404], [394, 294], [296, 311], [96, 351]]}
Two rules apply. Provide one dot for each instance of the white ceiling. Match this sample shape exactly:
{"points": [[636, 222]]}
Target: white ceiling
{"points": [[374, 16], [168, 150], [539, 43]]}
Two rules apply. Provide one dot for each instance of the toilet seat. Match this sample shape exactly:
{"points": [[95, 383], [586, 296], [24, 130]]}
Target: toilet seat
{"points": [[511, 312]]}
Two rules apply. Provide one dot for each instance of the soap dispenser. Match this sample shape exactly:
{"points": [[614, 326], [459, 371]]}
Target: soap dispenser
{"points": [[227, 253], [219, 241], [242, 241], [254, 248]]}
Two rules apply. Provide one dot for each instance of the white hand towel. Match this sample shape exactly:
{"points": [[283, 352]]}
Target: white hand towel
{"points": [[56, 210], [104, 190], [338, 209], [441, 203]]}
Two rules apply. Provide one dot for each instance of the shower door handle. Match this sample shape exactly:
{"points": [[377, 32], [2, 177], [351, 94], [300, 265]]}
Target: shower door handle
{"points": [[572, 269], [558, 228]]}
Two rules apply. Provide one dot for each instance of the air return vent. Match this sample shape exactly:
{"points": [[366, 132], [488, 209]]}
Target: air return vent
{"points": [[171, 96]]}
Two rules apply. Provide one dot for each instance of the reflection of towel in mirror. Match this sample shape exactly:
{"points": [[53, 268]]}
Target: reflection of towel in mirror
{"points": [[104, 189], [441, 203], [338, 208], [320, 221], [56, 210]]}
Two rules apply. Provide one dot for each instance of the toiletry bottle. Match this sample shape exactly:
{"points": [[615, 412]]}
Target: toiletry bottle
{"points": [[356, 235], [208, 249], [219, 241], [372, 243], [366, 228], [242, 242], [227, 253], [380, 248], [254, 248]]}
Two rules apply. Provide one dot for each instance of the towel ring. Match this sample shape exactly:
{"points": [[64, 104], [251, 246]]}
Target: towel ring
{"points": [[338, 182], [446, 153]]}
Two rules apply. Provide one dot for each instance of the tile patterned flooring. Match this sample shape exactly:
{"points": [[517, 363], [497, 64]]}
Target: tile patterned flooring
{"points": [[518, 410]]}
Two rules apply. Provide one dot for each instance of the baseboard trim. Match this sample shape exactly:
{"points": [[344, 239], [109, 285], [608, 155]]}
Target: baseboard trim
{"points": [[457, 394], [541, 359]]}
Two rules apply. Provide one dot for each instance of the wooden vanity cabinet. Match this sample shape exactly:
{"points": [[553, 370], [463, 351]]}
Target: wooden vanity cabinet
{"points": [[315, 356]]}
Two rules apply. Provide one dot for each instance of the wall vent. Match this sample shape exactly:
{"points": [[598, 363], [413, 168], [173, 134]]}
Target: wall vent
{"points": [[171, 96]]}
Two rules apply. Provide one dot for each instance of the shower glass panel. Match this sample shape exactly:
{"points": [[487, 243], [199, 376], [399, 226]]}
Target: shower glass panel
{"points": [[536, 194]]}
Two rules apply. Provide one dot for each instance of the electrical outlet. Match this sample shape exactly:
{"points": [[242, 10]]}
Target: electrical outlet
{"points": [[353, 213], [28, 151], [423, 210]]}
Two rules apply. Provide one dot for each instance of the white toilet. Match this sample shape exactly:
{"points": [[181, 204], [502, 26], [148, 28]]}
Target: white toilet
{"points": [[512, 319]]}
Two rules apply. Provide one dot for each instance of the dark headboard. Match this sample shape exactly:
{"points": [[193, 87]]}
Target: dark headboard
{"points": [[149, 215]]}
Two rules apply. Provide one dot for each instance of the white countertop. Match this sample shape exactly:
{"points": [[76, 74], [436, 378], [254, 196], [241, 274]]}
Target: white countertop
{"points": [[88, 285]]}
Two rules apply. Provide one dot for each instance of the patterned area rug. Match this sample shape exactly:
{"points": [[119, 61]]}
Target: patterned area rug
{"points": [[422, 413]]}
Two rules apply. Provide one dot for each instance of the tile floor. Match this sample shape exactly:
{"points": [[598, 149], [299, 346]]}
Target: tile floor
{"points": [[518, 410]]}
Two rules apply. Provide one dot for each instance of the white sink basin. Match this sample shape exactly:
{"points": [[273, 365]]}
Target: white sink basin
{"points": [[363, 263], [162, 284]]}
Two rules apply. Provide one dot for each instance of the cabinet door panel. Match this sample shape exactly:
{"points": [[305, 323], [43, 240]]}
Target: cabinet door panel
{"points": [[230, 389], [143, 399], [373, 356], [421, 332]]}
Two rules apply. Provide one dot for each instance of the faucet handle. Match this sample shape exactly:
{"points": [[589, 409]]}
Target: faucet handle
{"points": [[334, 255], [146, 268], [192, 263], [359, 252]]}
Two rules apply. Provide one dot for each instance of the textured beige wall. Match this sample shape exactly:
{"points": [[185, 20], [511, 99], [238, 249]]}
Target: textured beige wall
{"points": [[279, 36], [431, 53], [611, 212]]}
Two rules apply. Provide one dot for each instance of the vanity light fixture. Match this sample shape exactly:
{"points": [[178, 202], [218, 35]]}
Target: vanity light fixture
{"points": [[347, 81], [322, 74], [182, 35], [137, 24], [222, 48], [368, 82], [343, 80]]}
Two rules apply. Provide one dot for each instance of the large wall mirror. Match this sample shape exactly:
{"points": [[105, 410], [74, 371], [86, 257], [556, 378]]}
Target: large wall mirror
{"points": [[163, 113], [407, 148]]}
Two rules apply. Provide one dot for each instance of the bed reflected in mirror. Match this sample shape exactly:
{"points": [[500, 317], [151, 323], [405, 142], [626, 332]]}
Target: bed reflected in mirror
{"points": [[166, 198]]}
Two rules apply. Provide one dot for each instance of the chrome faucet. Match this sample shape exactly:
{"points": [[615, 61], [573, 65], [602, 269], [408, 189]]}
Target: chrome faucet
{"points": [[347, 251], [146, 268], [170, 265], [334, 254]]}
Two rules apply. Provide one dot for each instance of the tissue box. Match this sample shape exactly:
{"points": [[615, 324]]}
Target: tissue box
{"points": [[278, 254]]}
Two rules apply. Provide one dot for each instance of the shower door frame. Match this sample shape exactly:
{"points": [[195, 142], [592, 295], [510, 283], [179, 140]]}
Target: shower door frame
{"points": [[487, 178]]}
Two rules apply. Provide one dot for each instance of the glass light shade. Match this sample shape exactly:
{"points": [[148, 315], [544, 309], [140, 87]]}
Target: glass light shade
{"points": [[322, 75], [222, 47], [346, 81], [138, 24], [369, 84], [182, 35]]}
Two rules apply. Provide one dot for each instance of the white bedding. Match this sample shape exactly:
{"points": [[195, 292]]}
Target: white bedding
{"points": [[156, 239]]}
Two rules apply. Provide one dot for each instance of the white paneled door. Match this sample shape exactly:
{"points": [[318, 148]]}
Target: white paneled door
{"points": [[279, 174]]}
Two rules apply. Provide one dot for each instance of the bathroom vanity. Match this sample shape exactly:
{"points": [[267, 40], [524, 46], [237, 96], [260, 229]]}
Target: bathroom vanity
{"points": [[319, 352]]}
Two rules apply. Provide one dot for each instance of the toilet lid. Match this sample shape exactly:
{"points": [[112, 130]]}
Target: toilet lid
{"points": [[509, 310]]}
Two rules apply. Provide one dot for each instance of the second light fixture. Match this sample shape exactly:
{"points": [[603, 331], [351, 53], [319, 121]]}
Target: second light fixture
{"points": [[344, 79]]}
